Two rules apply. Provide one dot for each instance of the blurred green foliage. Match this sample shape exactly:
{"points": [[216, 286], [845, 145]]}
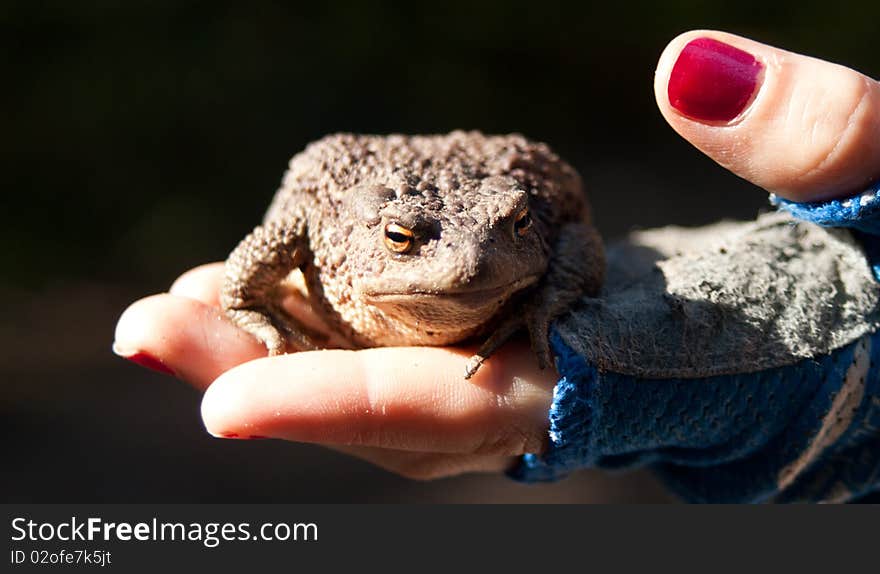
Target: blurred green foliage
{"points": [[141, 138]]}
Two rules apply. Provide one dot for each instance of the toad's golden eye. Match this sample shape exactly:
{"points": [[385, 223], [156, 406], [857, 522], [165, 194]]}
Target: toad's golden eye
{"points": [[522, 222], [398, 238]]}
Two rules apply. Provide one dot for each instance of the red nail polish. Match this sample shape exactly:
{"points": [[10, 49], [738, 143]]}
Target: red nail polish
{"points": [[257, 436], [229, 435], [150, 362], [713, 81]]}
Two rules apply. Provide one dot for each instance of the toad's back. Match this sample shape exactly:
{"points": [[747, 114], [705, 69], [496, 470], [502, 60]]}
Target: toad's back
{"points": [[450, 166]]}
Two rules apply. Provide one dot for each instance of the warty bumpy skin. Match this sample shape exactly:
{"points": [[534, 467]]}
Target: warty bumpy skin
{"points": [[419, 240]]}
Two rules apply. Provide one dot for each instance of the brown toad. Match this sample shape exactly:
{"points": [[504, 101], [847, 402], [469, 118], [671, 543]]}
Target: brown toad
{"points": [[419, 240]]}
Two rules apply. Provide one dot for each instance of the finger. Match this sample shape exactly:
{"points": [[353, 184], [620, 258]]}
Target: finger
{"points": [[799, 127], [201, 283], [401, 398], [185, 337], [427, 465]]}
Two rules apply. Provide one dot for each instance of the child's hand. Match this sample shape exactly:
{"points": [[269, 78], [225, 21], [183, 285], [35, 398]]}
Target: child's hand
{"points": [[409, 410]]}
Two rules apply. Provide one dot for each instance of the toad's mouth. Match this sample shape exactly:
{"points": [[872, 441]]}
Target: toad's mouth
{"points": [[481, 296], [444, 316]]}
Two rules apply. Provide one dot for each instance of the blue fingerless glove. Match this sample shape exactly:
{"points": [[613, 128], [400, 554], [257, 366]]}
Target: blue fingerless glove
{"points": [[804, 431]]}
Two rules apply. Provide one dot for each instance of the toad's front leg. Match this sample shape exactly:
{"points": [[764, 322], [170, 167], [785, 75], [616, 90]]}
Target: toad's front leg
{"points": [[576, 269], [254, 271]]}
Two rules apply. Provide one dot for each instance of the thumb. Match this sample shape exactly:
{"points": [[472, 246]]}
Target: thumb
{"points": [[802, 128]]}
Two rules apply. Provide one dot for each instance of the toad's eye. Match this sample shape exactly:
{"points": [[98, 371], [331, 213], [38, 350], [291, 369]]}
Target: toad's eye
{"points": [[522, 222], [398, 238]]}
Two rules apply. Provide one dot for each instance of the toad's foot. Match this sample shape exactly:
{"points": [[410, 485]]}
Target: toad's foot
{"points": [[259, 325], [505, 330], [276, 330]]}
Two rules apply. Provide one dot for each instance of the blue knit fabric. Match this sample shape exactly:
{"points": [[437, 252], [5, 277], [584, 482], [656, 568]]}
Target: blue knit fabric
{"points": [[715, 439], [861, 212], [727, 438]]}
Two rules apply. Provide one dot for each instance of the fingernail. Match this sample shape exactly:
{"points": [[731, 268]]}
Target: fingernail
{"points": [[144, 360], [713, 81], [238, 436]]}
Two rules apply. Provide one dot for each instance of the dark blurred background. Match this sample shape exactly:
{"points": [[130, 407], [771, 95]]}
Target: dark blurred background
{"points": [[142, 139]]}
